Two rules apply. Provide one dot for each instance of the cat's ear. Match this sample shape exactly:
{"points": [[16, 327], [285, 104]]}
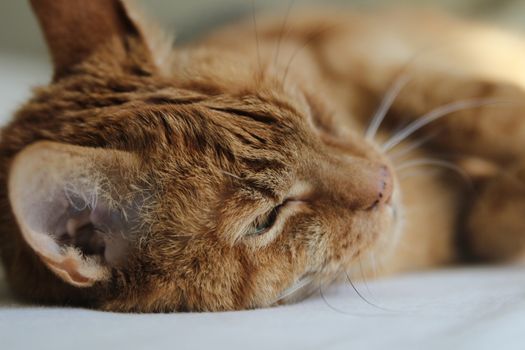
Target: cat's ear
{"points": [[73, 208], [76, 29]]}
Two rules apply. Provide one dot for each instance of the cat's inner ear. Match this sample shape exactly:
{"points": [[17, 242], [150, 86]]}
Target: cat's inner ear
{"points": [[73, 208], [75, 30]]}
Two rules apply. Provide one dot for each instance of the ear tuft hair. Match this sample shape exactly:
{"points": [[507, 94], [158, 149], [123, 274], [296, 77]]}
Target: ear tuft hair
{"points": [[62, 199]]}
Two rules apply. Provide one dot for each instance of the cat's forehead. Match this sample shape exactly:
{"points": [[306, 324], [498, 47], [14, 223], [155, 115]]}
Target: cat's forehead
{"points": [[185, 134]]}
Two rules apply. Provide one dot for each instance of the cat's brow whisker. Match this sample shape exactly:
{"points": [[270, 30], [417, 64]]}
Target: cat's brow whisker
{"points": [[403, 78], [256, 33], [437, 114], [386, 104], [283, 30], [435, 162], [306, 43]]}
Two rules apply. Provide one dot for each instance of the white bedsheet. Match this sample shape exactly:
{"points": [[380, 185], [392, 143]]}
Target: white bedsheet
{"points": [[470, 308]]}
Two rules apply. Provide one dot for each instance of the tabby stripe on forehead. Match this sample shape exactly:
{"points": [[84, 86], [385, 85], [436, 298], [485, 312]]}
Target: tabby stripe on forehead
{"points": [[168, 131], [261, 164], [265, 119], [163, 99], [246, 140], [261, 188], [249, 138], [257, 137]]}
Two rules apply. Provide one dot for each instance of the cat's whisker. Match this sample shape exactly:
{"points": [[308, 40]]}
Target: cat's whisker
{"points": [[435, 162], [373, 263], [306, 43], [363, 276], [416, 173], [282, 31], [330, 305], [297, 287], [354, 288], [411, 147], [437, 114], [329, 282], [394, 90], [361, 295], [385, 105], [256, 33]]}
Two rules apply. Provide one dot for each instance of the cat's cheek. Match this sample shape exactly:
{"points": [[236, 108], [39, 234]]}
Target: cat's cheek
{"points": [[279, 275], [355, 236]]}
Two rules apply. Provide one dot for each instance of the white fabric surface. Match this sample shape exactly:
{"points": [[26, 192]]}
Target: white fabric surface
{"points": [[469, 308]]}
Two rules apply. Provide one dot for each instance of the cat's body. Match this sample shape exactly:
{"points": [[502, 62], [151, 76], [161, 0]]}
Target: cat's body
{"points": [[235, 172]]}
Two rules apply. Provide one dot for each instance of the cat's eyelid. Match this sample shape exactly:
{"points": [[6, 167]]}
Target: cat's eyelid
{"points": [[289, 206], [299, 191]]}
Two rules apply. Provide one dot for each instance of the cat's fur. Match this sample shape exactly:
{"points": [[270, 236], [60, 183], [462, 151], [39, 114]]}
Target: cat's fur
{"points": [[131, 182]]}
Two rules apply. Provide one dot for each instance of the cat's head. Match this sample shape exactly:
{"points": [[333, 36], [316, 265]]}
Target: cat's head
{"points": [[213, 187]]}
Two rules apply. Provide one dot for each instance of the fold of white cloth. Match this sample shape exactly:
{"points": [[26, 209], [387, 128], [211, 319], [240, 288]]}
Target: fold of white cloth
{"points": [[464, 308]]}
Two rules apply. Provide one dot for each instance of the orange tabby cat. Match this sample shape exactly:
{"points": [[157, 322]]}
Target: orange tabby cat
{"points": [[240, 171]]}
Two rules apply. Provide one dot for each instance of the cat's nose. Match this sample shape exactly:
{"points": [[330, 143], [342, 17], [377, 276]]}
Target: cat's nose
{"points": [[373, 187], [362, 185], [385, 188]]}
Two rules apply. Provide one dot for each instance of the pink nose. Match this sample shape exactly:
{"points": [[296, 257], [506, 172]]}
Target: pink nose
{"points": [[361, 184], [373, 187]]}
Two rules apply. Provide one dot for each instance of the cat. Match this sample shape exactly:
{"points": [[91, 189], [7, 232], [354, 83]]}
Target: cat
{"points": [[249, 168]]}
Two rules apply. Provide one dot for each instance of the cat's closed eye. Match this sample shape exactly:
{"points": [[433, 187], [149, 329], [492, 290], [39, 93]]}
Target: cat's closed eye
{"points": [[264, 223], [269, 225]]}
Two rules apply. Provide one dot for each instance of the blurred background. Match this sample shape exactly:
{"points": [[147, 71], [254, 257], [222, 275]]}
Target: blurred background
{"points": [[24, 62]]}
